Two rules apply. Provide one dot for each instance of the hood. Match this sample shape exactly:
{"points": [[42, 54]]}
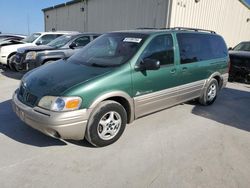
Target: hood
{"points": [[239, 53], [10, 42], [14, 47], [55, 78], [34, 48]]}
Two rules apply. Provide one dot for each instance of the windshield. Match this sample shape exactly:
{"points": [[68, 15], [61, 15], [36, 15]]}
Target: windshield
{"points": [[60, 41], [244, 46], [111, 49], [31, 38]]}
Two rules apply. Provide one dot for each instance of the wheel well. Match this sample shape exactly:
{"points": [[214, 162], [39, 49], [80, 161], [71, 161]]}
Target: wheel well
{"points": [[124, 103], [13, 53], [218, 80]]}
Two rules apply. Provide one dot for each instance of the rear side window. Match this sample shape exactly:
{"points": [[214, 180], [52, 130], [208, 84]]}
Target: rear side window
{"points": [[200, 47], [160, 48]]}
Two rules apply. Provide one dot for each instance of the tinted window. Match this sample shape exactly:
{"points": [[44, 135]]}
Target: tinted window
{"points": [[160, 48], [199, 47], [244, 46], [82, 41], [95, 36]]}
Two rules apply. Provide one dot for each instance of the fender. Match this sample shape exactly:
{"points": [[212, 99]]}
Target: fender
{"points": [[121, 94]]}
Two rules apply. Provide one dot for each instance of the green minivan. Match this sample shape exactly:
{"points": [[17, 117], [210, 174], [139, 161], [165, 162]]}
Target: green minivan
{"points": [[119, 77]]}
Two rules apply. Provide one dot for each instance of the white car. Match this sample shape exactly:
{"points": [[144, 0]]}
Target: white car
{"points": [[7, 53]]}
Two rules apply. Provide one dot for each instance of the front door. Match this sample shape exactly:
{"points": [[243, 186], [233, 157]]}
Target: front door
{"points": [[150, 86]]}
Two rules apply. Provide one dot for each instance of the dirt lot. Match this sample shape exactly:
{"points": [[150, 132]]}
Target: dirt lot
{"points": [[185, 146]]}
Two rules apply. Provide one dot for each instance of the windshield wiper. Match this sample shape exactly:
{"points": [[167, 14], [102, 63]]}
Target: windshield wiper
{"points": [[101, 65]]}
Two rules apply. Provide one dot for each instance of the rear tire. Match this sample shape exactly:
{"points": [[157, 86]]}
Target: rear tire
{"points": [[106, 124], [210, 93]]}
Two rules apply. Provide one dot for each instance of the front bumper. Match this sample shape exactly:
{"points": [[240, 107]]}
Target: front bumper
{"points": [[65, 125], [3, 59]]}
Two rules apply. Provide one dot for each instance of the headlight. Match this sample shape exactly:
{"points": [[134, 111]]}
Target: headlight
{"points": [[60, 103], [30, 55]]}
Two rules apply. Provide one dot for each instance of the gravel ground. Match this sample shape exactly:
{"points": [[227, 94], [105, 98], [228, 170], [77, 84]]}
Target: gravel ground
{"points": [[184, 146]]}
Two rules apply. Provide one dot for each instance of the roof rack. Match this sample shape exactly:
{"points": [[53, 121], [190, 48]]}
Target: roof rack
{"points": [[179, 28], [192, 29]]}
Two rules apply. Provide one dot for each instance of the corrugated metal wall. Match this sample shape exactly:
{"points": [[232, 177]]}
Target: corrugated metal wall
{"points": [[126, 14], [107, 15], [226, 17], [70, 17]]}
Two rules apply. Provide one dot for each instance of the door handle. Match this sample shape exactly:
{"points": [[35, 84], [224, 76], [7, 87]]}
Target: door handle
{"points": [[173, 71], [184, 69]]}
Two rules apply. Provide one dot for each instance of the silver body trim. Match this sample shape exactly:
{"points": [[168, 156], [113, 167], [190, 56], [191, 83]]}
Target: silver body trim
{"points": [[69, 125], [165, 98], [224, 79]]}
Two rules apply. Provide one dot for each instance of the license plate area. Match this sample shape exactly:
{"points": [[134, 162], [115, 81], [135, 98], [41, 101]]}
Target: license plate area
{"points": [[20, 113]]}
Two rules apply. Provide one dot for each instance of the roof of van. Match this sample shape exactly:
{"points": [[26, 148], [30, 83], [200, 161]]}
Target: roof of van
{"points": [[160, 30], [59, 32]]}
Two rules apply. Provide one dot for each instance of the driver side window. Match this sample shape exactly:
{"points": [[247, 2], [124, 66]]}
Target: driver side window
{"points": [[160, 48], [82, 41]]}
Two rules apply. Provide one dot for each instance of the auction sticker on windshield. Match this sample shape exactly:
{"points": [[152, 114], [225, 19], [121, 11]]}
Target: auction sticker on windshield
{"points": [[136, 40]]}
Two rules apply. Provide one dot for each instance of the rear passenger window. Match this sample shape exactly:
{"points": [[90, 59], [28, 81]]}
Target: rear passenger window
{"points": [[160, 48], [199, 47]]}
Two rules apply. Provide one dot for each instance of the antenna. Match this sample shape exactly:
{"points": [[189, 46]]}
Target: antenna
{"points": [[28, 23]]}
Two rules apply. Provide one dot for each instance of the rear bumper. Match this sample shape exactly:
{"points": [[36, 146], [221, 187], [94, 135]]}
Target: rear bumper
{"points": [[65, 125]]}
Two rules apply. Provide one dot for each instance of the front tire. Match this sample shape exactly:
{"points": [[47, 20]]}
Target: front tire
{"points": [[210, 93], [11, 63], [106, 124]]}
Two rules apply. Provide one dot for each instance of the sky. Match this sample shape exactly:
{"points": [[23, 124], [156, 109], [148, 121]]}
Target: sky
{"points": [[25, 16], [16, 14]]}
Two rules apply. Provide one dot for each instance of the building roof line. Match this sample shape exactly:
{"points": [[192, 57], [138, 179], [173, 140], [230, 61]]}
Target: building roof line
{"points": [[62, 5]]}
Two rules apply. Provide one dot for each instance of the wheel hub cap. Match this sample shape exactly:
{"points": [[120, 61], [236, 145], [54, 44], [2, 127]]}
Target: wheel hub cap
{"points": [[109, 125], [211, 92]]}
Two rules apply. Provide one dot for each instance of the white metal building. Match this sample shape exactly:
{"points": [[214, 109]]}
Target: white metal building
{"points": [[230, 18]]}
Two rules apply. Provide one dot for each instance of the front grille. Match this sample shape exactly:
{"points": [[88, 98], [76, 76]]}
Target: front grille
{"points": [[26, 97]]}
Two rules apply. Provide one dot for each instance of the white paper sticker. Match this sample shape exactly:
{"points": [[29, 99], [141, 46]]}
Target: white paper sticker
{"points": [[136, 40]]}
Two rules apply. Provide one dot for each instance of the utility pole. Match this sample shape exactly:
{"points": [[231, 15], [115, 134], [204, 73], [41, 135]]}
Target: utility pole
{"points": [[28, 23]]}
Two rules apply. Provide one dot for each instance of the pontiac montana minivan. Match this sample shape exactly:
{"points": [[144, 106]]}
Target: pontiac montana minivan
{"points": [[120, 77]]}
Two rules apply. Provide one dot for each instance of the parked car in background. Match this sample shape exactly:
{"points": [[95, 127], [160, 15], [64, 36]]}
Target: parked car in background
{"points": [[28, 58], [4, 37], [240, 62], [9, 39], [119, 77], [7, 53]]}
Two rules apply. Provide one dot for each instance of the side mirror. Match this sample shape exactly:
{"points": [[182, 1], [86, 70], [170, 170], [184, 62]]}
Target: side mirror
{"points": [[39, 42], [230, 48], [72, 45], [148, 64]]}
